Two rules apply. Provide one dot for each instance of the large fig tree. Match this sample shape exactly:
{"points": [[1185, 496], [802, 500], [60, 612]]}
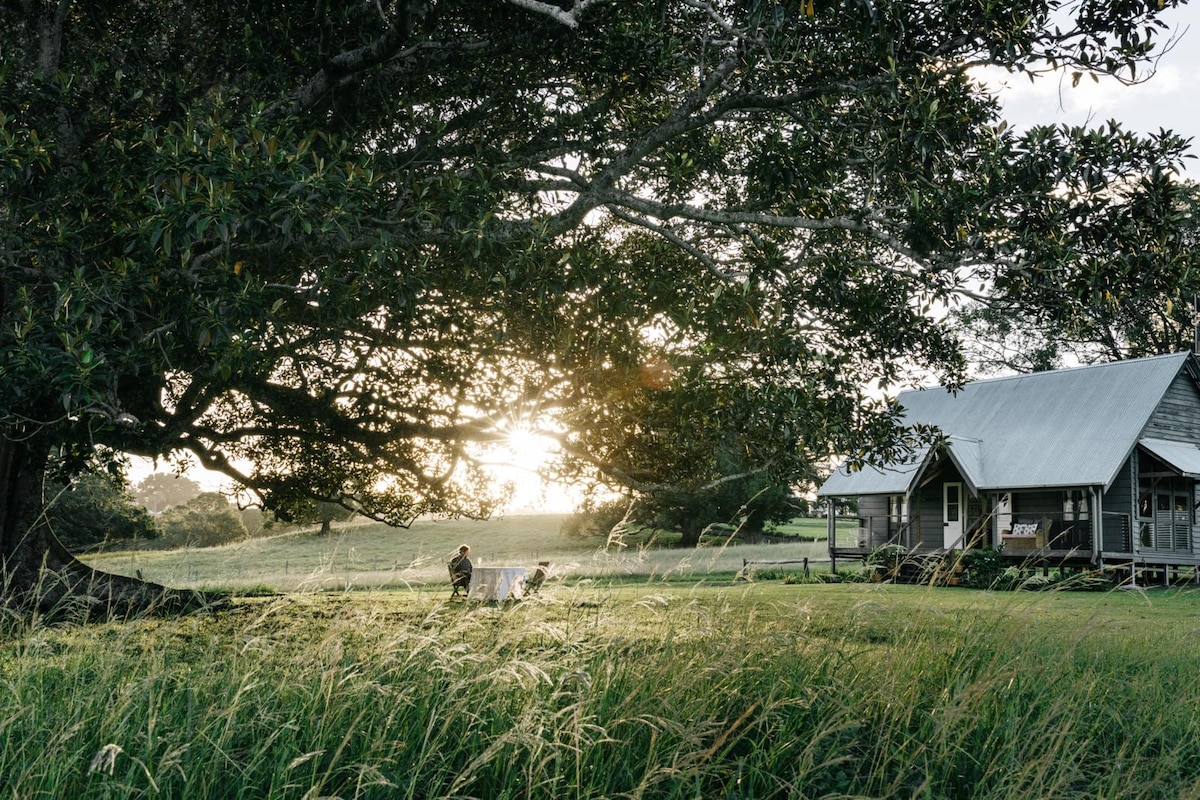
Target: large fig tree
{"points": [[331, 249]]}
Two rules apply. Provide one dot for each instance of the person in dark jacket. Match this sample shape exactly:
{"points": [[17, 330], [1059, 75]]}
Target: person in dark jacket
{"points": [[460, 570]]}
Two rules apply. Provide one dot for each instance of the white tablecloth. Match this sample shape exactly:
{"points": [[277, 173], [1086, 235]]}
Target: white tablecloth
{"points": [[497, 583]]}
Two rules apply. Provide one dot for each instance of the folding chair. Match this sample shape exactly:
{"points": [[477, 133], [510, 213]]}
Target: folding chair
{"points": [[538, 577]]}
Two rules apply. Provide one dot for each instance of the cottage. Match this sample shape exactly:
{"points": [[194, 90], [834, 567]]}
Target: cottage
{"points": [[1092, 466]]}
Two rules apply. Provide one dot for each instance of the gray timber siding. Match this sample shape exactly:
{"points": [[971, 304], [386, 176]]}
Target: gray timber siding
{"points": [[873, 505], [873, 510], [929, 502], [1177, 417], [1120, 496], [1120, 508], [1036, 504]]}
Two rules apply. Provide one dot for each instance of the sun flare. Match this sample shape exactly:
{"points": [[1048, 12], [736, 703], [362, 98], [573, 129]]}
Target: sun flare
{"points": [[527, 448], [519, 456]]}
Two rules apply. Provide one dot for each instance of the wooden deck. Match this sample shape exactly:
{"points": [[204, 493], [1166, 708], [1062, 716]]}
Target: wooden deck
{"points": [[1143, 569]]}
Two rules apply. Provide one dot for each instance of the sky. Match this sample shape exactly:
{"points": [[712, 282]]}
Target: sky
{"points": [[1169, 100]]}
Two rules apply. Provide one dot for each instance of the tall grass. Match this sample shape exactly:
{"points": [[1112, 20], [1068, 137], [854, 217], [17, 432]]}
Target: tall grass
{"points": [[753, 692]]}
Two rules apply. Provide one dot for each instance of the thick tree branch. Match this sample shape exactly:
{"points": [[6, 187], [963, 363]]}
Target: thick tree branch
{"points": [[569, 17]]}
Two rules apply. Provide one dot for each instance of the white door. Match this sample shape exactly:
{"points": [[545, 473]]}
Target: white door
{"points": [[952, 514]]}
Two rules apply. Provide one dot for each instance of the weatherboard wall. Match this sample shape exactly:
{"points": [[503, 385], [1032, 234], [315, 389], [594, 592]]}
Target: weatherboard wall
{"points": [[1032, 506], [929, 501], [1120, 506], [1177, 417], [874, 508]]}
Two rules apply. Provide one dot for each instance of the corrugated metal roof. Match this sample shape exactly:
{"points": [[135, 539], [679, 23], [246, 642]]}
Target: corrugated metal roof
{"points": [[893, 479], [1183, 456], [1071, 427]]}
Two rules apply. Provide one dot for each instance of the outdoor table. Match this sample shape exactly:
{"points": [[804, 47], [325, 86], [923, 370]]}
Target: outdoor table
{"points": [[497, 583]]}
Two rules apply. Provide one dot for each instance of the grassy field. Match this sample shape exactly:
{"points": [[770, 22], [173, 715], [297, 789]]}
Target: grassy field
{"points": [[373, 555], [635, 673], [658, 690]]}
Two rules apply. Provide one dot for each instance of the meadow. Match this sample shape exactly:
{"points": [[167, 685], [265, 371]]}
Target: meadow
{"points": [[371, 555], [637, 685]]}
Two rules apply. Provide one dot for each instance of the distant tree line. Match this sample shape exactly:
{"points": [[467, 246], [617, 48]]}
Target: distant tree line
{"points": [[748, 505], [167, 511]]}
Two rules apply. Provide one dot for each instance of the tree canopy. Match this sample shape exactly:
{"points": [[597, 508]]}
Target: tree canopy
{"points": [[206, 520], [96, 508], [159, 491], [332, 249], [1132, 290]]}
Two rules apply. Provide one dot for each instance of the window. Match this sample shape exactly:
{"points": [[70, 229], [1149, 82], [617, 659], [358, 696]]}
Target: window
{"points": [[1075, 505], [953, 501]]}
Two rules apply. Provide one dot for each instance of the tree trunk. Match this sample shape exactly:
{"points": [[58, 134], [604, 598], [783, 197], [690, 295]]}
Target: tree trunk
{"points": [[691, 530], [756, 520], [38, 576]]}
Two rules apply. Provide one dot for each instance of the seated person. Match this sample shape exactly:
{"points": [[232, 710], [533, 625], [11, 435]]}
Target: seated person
{"points": [[460, 570]]}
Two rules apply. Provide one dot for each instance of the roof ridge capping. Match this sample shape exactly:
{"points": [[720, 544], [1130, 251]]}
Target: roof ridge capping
{"points": [[1127, 362]]}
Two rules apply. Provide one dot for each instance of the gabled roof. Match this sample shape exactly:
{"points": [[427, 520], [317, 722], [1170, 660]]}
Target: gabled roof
{"points": [[1070, 427]]}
